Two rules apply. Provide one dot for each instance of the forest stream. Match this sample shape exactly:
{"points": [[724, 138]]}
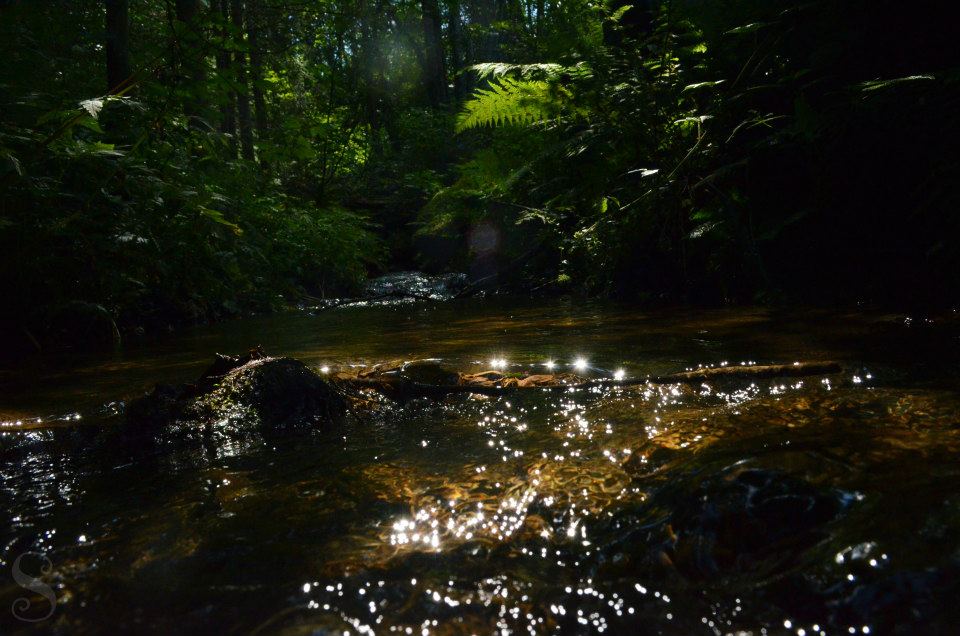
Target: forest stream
{"points": [[817, 505]]}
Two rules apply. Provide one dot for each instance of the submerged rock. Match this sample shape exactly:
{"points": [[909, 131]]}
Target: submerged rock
{"points": [[273, 394], [425, 371], [416, 285], [748, 521]]}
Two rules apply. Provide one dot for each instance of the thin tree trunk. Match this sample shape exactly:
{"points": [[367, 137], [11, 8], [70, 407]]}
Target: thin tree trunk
{"points": [[191, 57], [187, 10], [481, 40], [228, 109], [372, 93], [456, 44], [243, 97], [435, 77], [117, 44], [488, 48], [256, 68]]}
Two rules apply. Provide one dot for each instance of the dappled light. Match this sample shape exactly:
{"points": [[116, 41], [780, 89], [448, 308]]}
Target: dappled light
{"points": [[603, 509]]}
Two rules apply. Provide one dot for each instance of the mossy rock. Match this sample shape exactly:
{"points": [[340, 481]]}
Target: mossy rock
{"points": [[281, 393], [269, 394]]}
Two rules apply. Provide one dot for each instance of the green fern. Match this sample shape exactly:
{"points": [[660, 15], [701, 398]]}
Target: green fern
{"points": [[507, 101], [499, 69], [538, 70]]}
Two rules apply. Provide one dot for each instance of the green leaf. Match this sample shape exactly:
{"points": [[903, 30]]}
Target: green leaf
{"points": [[90, 123], [699, 85], [882, 84], [617, 15], [703, 229], [748, 28], [498, 69], [107, 150], [13, 162], [217, 217], [507, 101]]}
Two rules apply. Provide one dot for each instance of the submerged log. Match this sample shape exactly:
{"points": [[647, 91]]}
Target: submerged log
{"points": [[755, 371], [398, 385], [255, 391]]}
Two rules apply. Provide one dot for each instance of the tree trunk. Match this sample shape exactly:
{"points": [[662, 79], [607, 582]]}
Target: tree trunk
{"points": [[480, 41], [187, 10], [434, 74], [191, 57], [456, 47], [243, 97], [256, 68], [228, 108], [484, 15], [117, 45]]}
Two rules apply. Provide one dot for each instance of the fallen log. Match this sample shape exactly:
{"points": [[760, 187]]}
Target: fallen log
{"points": [[397, 386], [755, 371]]}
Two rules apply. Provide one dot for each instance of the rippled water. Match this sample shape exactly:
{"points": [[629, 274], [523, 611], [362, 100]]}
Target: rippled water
{"points": [[814, 505]]}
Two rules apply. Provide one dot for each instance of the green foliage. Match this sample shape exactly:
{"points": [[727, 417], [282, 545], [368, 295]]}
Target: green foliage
{"points": [[508, 101], [521, 94], [713, 152], [546, 71], [695, 150], [156, 235]]}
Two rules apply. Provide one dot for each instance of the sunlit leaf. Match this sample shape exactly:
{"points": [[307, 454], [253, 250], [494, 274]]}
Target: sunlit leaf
{"points": [[699, 85], [92, 106], [217, 217], [748, 28], [507, 101], [882, 84]]}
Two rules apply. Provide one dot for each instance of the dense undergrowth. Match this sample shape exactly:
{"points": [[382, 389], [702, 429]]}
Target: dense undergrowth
{"points": [[154, 235], [737, 151], [260, 151], [122, 214]]}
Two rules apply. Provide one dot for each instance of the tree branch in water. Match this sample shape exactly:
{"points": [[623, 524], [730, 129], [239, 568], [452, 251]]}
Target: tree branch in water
{"points": [[396, 385]]}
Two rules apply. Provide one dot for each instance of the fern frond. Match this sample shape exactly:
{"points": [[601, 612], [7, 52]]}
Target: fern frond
{"points": [[507, 101], [540, 70], [499, 69]]}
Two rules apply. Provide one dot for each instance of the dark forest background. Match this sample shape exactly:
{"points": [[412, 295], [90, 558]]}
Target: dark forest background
{"points": [[180, 161]]}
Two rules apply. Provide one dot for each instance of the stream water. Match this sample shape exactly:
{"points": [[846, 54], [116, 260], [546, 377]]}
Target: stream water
{"points": [[809, 506]]}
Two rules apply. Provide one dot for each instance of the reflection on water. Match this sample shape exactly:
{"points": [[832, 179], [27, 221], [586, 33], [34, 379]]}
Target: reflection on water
{"points": [[801, 506]]}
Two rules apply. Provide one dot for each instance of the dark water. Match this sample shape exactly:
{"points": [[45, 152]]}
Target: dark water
{"points": [[821, 505]]}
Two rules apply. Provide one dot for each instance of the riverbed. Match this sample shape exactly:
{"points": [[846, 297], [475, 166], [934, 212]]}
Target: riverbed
{"points": [[820, 505]]}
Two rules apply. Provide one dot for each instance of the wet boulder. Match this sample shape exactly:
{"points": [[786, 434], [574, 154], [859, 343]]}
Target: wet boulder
{"points": [[270, 394], [281, 393], [425, 371]]}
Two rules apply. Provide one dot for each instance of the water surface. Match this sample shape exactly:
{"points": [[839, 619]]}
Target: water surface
{"points": [[803, 506]]}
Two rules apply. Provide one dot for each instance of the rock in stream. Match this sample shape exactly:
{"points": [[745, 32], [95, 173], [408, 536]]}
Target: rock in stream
{"points": [[254, 391]]}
